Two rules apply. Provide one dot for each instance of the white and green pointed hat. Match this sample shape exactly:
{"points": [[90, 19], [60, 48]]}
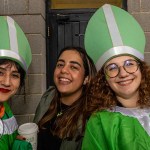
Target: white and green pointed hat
{"points": [[13, 43], [111, 32]]}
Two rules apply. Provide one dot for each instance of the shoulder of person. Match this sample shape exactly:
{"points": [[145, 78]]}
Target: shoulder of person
{"points": [[100, 115], [47, 96], [44, 103], [49, 92], [8, 111]]}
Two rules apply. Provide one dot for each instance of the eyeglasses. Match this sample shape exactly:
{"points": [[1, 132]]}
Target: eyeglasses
{"points": [[130, 66]]}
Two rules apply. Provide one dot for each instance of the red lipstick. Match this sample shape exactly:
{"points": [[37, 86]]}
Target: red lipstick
{"points": [[4, 90]]}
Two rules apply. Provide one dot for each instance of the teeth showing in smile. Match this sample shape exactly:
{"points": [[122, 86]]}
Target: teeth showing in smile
{"points": [[64, 79]]}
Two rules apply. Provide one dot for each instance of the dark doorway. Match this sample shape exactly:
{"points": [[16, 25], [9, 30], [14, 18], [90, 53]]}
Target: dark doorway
{"points": [[64, 28]]}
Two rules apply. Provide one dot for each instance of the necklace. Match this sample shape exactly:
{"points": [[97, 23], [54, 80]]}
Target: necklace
{"points": [[62, 109], [59, 114]]}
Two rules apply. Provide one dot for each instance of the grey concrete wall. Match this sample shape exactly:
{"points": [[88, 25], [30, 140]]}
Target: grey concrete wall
{"points": [[30, 15], [140, 9]]}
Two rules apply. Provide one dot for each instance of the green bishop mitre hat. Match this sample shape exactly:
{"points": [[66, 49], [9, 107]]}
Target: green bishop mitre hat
{"points": [[13, 43], [111, 32]]}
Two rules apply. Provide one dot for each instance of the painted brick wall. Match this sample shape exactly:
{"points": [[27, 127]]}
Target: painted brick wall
{"points": [[140, 9]]}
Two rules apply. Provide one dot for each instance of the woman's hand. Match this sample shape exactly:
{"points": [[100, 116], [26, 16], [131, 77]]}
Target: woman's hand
{"points": [[19, 137]]}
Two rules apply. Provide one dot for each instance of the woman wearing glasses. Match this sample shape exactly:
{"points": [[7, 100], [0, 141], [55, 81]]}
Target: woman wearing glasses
{"points": [[120, 93]]}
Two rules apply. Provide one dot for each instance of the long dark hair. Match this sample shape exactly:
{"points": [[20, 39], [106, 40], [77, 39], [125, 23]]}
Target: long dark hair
{"points": [[74, 117]]}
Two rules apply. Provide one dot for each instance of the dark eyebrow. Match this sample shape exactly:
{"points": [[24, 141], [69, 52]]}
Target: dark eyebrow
{"points": [[2, 68], [75, 62], [130, 60], [72, 62], [16, 71], [123, 62], [60, 60]]}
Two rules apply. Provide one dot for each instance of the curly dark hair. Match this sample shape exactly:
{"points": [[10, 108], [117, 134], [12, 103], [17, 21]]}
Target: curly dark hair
{"points": [[101, 96]]}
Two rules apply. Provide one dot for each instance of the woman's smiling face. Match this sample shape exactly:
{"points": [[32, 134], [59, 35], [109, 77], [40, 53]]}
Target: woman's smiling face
{"points": [[9, 81], [125, 85], [69, 73]]}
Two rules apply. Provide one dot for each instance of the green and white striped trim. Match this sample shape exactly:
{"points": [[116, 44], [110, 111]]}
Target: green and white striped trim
{"points": [[116, 51], [112, 26], [12, 35], [13, 52], [8, 126]]}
